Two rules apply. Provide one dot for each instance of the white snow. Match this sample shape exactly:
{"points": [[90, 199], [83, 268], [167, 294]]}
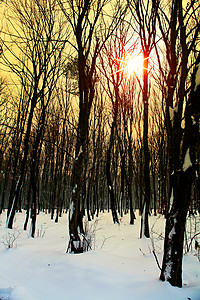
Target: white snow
{"points": [[71, 210], [171, 198], [168, 270], [169, 264], [173, 230], [187, 161], [74, 189], [121, 266], [8, 219], [80, 151]]}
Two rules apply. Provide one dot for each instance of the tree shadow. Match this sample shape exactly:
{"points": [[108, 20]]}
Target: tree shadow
{"points": [[5, 294]]}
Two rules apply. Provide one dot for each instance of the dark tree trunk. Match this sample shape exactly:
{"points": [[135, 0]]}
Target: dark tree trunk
{"points": [[88, 201], [28, 207], [130, 180], [109, 178], [184, 163], [175, 228], [77, 243], [132, 214], [33, 207], [5, 184], [15, 199], [34, 168], [145, 208], [75, 220]]}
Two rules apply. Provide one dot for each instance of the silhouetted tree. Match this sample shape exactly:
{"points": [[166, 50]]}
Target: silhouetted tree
{"points": [[180, 30]]}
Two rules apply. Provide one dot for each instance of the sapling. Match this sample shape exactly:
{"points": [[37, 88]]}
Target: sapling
{"points": [[192, 236], [10, 239]]}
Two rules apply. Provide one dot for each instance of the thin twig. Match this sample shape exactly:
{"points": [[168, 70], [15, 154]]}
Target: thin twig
{"points": [[156, 259]]}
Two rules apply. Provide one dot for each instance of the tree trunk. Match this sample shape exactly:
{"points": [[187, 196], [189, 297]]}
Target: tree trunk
{"points": [[14, 200], [175, 228], [145, 211], [109, 179], [28, 207], [77, 242], [181, 179], [130, 180]]}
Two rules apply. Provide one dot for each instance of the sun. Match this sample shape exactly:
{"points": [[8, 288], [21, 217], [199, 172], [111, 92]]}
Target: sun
{"points": [[134, 65]]}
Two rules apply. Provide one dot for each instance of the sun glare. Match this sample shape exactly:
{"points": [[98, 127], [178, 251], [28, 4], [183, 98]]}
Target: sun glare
{"points": [[134, 66]]}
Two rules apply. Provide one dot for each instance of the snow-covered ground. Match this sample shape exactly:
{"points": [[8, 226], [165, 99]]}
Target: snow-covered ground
{"points": [[121, 266]]}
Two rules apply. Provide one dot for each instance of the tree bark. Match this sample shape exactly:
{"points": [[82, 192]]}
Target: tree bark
{"points": [[15, 198], [109, 178], [175, 228], [181, 184], [145, 211]]}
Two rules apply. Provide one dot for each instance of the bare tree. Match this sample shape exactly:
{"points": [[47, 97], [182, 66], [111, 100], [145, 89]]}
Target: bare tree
{"points": [[180, 31], [33, 50], [84, 18], [119, 88], [112, 57], [6, 137], [144, 14], [83, 22]]}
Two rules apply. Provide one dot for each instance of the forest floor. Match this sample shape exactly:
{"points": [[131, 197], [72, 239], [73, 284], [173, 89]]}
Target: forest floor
{"points": [[120, 266]]}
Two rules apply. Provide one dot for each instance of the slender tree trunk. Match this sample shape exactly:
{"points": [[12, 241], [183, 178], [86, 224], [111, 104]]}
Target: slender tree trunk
{"points": [[15, 199], [109, 179], [33, 205], [5, 184], [145, 210], [34, 169], [130, 181], [28, 207]]}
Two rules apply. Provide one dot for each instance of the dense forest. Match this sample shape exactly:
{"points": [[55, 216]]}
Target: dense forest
{"points": [[100, 109]]}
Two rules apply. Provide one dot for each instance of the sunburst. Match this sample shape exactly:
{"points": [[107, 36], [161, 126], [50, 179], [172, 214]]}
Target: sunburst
{"points": [[132, 64]]}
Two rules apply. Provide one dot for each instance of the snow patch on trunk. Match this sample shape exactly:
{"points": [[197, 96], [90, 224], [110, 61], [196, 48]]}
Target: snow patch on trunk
{"points": [[168, 269], [80, 151], [8, 220], [71, 210], [173, 231], [171, 200], [74, 190], [76, 244], [187, 161]]}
